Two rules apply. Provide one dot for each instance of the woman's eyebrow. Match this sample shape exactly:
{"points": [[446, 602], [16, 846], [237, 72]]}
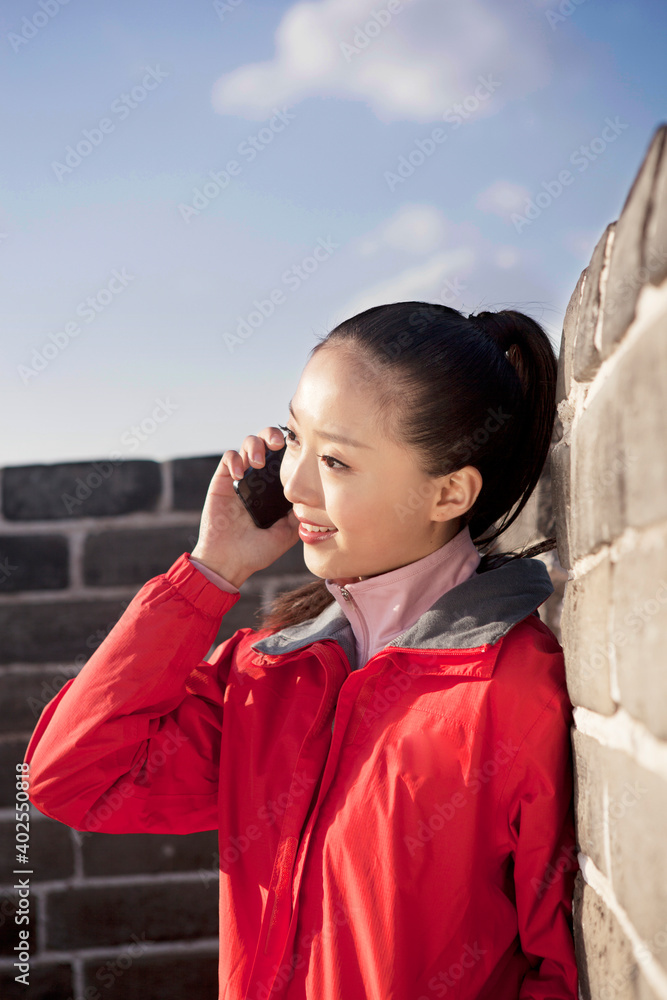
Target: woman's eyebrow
{"points": [[330, 436]]}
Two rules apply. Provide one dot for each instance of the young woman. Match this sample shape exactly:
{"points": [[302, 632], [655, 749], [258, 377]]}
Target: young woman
{"points": [[387, 758]]}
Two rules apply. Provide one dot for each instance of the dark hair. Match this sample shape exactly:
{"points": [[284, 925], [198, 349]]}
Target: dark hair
{"points": [[489, 380]]}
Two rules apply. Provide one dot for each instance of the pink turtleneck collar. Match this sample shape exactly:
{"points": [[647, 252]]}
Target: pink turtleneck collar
{"points": [[382, 606]]}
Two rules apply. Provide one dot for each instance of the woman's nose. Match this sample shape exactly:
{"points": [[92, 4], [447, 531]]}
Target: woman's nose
{"points": [[295, 482]]}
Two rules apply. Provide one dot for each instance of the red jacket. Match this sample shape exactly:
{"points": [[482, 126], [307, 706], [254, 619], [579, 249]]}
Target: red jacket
{"points": [[424, 849]]}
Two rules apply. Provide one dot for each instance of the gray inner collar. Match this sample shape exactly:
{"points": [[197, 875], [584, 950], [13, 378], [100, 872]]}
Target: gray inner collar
{"points": [[476, 612]]}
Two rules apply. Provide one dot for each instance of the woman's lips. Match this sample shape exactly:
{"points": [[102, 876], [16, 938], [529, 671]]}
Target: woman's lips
{"points": [[315, 536]]}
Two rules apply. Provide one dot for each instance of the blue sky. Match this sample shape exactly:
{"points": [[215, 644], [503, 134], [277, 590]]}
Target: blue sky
{"points": [[346, 177]]}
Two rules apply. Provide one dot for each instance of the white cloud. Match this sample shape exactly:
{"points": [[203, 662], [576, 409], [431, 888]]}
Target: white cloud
{"points": [[428, 56], [424, 282], [506, 257], [414, 228], [502, 198]]}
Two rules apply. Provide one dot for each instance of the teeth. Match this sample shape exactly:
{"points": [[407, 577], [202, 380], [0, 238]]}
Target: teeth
{"points": [[314, 527]]}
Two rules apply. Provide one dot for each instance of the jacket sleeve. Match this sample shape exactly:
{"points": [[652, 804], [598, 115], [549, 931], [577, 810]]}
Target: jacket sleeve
{"points": [[545, 853], [132, 743]]}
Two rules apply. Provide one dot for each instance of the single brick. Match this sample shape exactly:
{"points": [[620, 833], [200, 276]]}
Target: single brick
{"points": [[605, 959], [110, 915], [80, 489], [33, 562], [590, 761], [12, 752], [191, 478], [655, 240], [586, 357], [564, 377], [636, 392], [626, 278], [24, 694], [587, 639], [148, 853], [133, 976], [560, 496], [50, 848], [56, 630], [638, 611], [118, 557], [598, 470], [637, 824], [47, 982]]}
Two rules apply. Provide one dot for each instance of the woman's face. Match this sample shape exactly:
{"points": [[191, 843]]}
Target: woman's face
{"points": [[385, 511]]}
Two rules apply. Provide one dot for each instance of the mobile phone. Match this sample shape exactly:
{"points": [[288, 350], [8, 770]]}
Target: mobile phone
{"points": [[262, 492]]}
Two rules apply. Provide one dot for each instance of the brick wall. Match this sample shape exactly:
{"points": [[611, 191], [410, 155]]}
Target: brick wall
{"points": [[133, 916], [609, 470]]}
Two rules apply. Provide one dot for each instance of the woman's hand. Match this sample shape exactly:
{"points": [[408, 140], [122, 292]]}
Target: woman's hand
{"points": [[229, 542]]}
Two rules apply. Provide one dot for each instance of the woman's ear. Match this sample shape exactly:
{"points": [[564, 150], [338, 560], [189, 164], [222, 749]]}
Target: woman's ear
{"points": [[456, 493]]}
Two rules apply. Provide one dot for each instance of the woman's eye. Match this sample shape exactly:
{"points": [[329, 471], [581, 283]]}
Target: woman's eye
{"points": [[288, 431], [327, 458], [338, 465]]}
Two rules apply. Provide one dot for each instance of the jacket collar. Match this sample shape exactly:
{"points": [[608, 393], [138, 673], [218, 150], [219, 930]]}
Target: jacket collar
{"points": [[474, 615]]}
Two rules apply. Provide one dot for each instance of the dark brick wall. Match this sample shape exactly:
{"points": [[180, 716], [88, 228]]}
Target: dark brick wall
{"points": [[131, 916]]}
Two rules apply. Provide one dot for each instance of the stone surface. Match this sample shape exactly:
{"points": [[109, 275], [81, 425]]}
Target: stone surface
{"points": [[608, 969], [56, 630], [586, 356], [625, 275], [133, 556], [560, 493], [638, 613], [590, 760], [47, 982], [109, 915], [33, 562], [637, 824], [568, 338], [79, 489], [192, 975], [655, 244], [587, 637], [191, 478], [147, 853]]}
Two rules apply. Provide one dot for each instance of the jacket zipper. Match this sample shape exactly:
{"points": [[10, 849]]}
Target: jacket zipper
{"points": [[345, 593], [330, 695]]}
